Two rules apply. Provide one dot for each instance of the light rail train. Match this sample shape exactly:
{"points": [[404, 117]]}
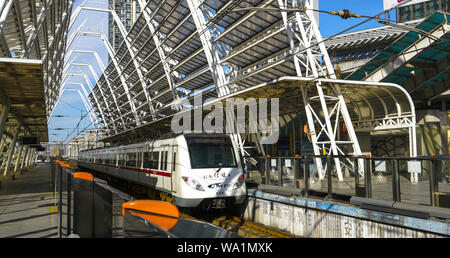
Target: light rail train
{"points": [[194, 169]]}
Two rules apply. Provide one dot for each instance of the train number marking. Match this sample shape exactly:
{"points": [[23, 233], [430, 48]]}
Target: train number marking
{"points": [[217, 186]]}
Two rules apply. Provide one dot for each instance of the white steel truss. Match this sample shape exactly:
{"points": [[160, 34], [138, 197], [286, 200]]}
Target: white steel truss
{"points": [[158, 39], [311, 59], [102, 90], [32, 32], [86, 94], [217, 47], [116, 65], [108, 123]]}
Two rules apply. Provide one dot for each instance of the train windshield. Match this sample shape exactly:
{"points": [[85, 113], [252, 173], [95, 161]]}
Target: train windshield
{"points": [[211, 152]]}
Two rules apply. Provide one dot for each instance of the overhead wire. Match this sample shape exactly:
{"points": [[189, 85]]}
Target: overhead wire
{"points": [[79, 122]]}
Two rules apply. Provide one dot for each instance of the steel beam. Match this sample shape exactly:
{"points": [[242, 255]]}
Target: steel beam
{"points": [[18, 158], [167, 70], [209, 48], [25, 156]]}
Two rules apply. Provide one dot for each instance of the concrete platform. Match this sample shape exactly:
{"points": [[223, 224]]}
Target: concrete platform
{"points": [[27, 205]]}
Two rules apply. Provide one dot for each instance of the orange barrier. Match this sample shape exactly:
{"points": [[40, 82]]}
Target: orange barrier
{"points": [[163, 214], [63, 164], [84, 175]]}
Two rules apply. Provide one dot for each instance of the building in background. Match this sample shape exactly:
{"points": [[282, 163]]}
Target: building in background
{"points": [[73, 147], [128, 11], [417, 9], [57, 149], [90, 140]]}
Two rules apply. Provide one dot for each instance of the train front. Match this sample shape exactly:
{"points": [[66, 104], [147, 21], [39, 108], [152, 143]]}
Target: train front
{"points": [[214, 175]]}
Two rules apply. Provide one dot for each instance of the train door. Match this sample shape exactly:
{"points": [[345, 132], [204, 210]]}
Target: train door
{"points": [[164, 167], [157, 151]]}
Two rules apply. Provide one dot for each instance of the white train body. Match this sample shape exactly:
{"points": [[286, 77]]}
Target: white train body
{"points": [[192, 167]]}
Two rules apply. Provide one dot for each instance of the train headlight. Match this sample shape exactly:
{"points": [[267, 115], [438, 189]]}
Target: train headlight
{"points": [[193, 183], [239, 182]]}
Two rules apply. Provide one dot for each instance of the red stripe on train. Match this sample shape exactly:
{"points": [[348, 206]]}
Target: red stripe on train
{"points": [[153, 172]]}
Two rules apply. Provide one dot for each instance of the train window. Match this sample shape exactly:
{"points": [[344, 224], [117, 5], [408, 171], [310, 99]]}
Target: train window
{"points": [[155, 159], [174, 161], [122, 159], [147, 161], [211, 152], [139, 158], [164, 162], [131, 159], [151, 160]]}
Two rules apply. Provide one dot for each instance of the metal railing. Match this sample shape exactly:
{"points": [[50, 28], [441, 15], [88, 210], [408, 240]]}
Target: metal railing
{"points": [[384, 178]]}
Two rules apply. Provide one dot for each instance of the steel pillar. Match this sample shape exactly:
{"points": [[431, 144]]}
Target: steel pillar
{"points": [[18, 158], [31, 157], [11, 151], [25, 156], [4, 115], [307, 54]]}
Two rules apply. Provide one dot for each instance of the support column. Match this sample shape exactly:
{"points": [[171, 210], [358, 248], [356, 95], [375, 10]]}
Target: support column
{"points": [[4, 116], [11, 151], [25, 156], [3, 140], [31, 158], [18, 159]]}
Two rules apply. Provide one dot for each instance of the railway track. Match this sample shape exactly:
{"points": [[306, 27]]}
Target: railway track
{"points": [[241, 227]]}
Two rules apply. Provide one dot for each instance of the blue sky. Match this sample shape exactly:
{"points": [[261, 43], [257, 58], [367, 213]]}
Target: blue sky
{"points": [[71, 106], [331, 24]]}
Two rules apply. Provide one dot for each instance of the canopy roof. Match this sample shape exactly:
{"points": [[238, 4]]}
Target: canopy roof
{"points": [[21, 84]]}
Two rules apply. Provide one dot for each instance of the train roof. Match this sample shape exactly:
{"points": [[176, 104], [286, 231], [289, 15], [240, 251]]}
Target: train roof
{"points": [[146, 143]]}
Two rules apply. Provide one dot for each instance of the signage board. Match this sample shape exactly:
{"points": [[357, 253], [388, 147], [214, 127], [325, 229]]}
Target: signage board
{"points": [[30, 141]]}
